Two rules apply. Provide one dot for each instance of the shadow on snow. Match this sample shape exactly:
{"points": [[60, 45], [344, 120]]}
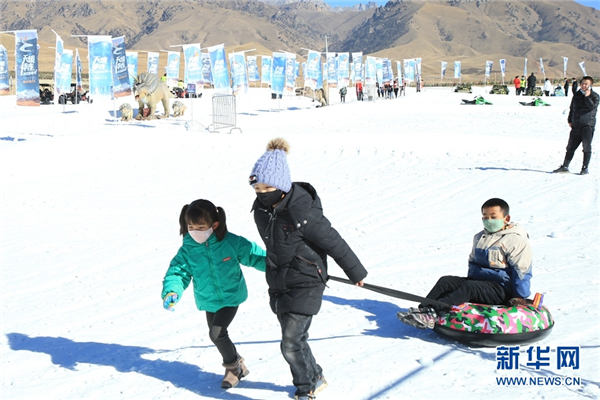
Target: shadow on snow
{"points": [[67, 353]]}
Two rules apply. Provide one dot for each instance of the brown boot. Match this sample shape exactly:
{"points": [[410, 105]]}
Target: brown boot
{"points": [[233, 373]]}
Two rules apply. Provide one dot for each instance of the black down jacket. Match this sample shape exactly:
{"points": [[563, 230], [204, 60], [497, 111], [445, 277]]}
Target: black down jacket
{"points": [[583, 109], [298, 239]]}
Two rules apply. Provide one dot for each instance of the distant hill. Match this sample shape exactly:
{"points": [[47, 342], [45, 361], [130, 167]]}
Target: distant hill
{"points": [[470, 31]]}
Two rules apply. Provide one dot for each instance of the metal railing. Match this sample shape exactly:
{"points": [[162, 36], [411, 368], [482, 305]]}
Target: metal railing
{"points": [[224, 113]]}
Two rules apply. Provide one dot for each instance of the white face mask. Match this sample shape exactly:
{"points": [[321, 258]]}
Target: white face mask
{"points": [[201, 236]]}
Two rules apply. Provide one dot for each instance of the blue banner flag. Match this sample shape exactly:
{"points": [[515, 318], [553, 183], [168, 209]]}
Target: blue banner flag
{"points": [[388, 73], [253, 75], [542, 66], [503, 67], [582, 66], [58, 50], [379, 70], [63, 85], [173, 60], [152, 63], [266, 64], [444, 66], [290, 73], [121, 84], [237, 61], [399, 70], [193, 64], [565, 61], [313, 69], [206, 70], [100, 65], [26, 55], [525, 68], [343, 70], [78, 72], [331, 70], [409, 69], [358, 66], [488, 68], [132, 66], [218, 66], [456, 69], [4, 83], [370, 71], [278, 78], [320, 78]]}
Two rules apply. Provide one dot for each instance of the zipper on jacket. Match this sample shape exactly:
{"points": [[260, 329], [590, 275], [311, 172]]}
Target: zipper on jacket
{"points": [[213, 273], [314, 265]]}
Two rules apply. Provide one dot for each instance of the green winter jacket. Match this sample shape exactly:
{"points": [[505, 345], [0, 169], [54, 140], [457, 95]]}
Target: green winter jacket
{"points": [[214, 267]]}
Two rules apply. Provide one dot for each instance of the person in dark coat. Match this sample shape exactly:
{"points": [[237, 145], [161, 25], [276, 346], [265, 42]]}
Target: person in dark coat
{"points": [[566, 86], [575, 83], [582, 121], [298, 238], [531, 84]]}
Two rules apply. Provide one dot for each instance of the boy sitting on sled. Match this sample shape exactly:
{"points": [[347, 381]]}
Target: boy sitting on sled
{"points": [[499, 269]]}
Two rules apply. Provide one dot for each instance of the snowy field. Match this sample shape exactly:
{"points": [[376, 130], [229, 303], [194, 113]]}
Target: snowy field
{"points": [[89, 224]]}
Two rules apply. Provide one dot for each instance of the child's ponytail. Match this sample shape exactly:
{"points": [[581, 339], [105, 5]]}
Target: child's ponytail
{"points": [[222, 228], [182, 221]]}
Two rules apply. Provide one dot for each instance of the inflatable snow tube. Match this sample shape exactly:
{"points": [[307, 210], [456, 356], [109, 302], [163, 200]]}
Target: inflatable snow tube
{"points": [[491, 326]]}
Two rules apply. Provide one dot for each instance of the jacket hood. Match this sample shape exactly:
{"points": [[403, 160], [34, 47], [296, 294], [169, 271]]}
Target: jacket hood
{"points": [[512, 229]]}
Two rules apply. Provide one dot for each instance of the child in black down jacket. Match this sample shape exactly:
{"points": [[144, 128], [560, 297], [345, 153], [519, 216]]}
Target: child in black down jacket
{"points": [[298, 238]]}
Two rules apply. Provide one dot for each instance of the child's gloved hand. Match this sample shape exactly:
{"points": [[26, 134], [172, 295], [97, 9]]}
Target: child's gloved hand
{"points": [[518, 301], [170, 300]]}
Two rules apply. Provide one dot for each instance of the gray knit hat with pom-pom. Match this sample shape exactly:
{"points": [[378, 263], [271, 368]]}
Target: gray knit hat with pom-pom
{"points": [[272, 168]]}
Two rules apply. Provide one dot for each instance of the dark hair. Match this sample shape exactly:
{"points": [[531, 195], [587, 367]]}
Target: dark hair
{"points": [[202, 211], [496, 202], [588, 78]]}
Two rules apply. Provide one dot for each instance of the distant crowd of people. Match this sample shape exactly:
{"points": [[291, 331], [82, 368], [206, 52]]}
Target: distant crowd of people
{"points": [[526, 87]]}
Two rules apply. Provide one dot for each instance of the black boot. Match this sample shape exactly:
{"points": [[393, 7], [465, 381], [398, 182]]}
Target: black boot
{"points": [[586, 161], [563, 169]]}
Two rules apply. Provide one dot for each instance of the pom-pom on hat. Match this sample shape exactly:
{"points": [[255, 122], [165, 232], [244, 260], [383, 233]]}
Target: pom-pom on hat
{"points": [[272, 168]]}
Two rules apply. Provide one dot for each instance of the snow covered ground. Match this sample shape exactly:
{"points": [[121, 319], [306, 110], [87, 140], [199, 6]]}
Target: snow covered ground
{"points": [[89, 223]]}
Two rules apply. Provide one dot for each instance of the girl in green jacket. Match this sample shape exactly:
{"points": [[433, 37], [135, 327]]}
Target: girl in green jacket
{"points": [[211, 257]]}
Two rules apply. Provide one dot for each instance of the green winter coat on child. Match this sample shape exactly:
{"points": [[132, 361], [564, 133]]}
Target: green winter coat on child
{"points": [[214, 268]]}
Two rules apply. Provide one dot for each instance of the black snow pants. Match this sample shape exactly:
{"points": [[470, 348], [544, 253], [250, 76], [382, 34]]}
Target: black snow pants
{"points": [[581, 135], [455, 290], [218, 323]]}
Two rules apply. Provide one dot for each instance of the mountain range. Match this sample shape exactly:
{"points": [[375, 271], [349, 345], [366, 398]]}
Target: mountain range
{"points": [[470, 31]]}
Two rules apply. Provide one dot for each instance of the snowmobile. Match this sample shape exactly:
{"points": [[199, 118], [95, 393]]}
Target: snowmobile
{"points": [[74, 96], [536, 102], [478, 100], [46, 93]]}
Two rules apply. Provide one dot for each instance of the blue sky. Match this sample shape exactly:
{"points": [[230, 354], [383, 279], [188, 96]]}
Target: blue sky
{"points": [[344, 3]]}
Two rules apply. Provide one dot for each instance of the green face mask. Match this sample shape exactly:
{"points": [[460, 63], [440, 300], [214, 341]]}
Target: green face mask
{"points": [[493, 225]]}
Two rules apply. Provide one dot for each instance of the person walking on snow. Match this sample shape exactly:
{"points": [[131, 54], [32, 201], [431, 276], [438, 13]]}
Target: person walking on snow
{"points": [[547, 87], [343, 92], [210, 257], [517, 83], [582, 121], [531, 81], [500, 267], [298, 238]]}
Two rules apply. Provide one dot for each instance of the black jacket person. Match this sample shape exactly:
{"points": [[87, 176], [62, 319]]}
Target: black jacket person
{"points": [[531, 81], [582, 120], [298, 238]]}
